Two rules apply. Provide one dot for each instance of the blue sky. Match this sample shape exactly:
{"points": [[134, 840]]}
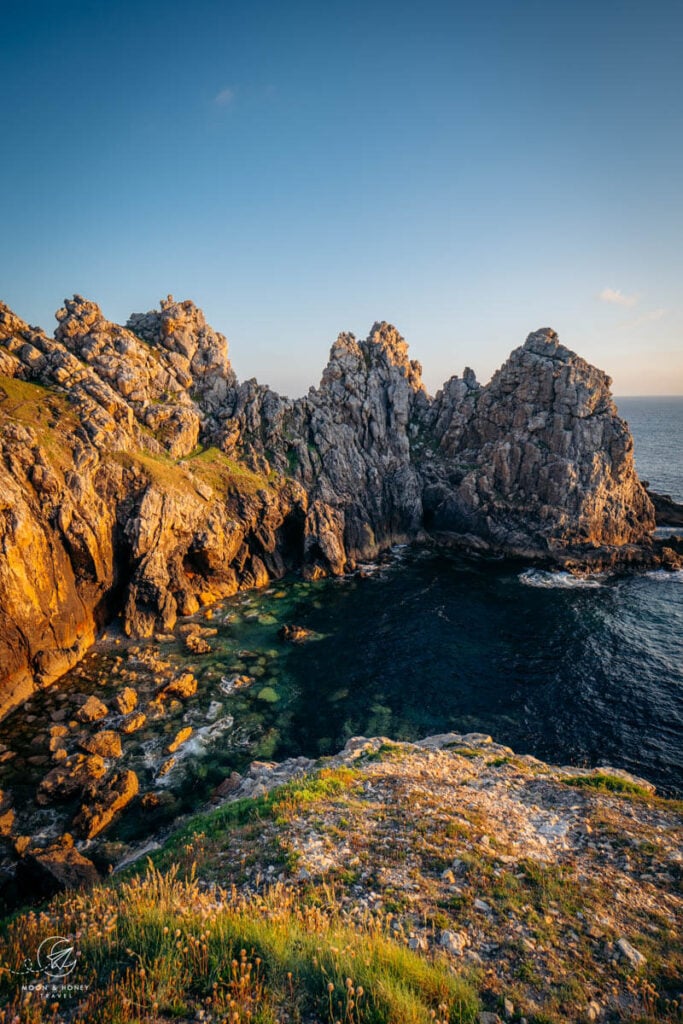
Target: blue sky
{"points": [[470, 172]]}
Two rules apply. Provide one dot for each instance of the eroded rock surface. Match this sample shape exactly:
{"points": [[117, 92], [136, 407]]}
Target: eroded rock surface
{"points": [[139, 477]]}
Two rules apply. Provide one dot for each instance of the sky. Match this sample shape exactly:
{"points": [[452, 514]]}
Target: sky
{"points": [[469, 172]]}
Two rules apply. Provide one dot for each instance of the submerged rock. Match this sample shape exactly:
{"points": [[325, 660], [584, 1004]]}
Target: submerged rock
{"points": [[294, 634]]}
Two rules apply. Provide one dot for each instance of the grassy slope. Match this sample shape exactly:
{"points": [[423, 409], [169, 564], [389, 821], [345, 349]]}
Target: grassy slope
{"points": [[199, 931], [160, 946]]}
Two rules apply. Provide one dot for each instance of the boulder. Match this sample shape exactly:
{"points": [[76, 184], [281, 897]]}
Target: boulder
{"points": [[92, 710], [106, 743], [454, 942], [294, 634], [126, 700], [181, 737], [70, 777], [103, 801], [133, 722], [44, 871], [7, 817], [196, 644], [183, 686], [628, 952]]}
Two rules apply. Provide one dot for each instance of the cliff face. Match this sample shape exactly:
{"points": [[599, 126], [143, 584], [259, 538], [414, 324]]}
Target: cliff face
{"points": [[137, 473]]}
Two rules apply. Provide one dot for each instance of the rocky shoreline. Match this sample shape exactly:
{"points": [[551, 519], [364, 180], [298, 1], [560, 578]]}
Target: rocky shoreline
{"points": [[140, 479]]}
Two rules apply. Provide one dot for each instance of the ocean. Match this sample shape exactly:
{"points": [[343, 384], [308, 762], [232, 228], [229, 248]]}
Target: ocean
{"points": [[657, 427], [577, 672]]}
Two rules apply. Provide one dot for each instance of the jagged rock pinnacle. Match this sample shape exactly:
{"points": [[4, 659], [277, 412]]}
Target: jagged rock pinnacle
{"points": [[142, 477]]}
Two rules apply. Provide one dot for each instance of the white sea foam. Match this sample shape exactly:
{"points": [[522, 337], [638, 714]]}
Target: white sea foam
{"points": [[566, 580], [666, 575]]}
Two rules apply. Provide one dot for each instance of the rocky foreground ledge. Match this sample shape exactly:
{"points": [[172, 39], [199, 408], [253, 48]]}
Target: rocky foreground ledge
{"points": [[447, 879], [139, 478]]}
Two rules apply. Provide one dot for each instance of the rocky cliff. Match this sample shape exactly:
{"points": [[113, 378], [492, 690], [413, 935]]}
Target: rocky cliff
{"points": [[138, 476]]}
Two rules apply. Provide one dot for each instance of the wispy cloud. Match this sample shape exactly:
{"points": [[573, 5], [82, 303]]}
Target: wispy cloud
{"points": [[225, 97], [617, 298], [645, 318]]}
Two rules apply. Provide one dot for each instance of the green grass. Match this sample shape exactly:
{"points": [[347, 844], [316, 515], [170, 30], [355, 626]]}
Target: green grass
{"points": [[46, 411], [205, 833], [156, 948], [608, 783], [470, 752], [225, 476], [386, 752]]}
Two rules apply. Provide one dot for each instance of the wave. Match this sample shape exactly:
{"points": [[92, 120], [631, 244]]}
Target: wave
{"points": [[544, 578], [666, 575]]}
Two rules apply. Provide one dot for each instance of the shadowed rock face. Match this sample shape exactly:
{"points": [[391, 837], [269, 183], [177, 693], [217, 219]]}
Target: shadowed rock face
{"points": [[138, 475]]}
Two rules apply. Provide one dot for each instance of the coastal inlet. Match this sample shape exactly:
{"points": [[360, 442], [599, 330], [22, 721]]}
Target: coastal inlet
{"points": [[575, 670]]}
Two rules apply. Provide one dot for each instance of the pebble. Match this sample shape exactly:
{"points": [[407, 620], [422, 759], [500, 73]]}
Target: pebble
{"points": [[630, 953], [454, 942]]}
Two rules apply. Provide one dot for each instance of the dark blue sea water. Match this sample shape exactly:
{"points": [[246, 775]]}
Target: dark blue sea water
{"points": [[576, 672], [657, 427]]}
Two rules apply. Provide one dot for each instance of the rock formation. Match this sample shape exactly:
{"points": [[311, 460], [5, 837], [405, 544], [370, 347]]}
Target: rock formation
{"points": [[138, 476], [537, 459]]}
